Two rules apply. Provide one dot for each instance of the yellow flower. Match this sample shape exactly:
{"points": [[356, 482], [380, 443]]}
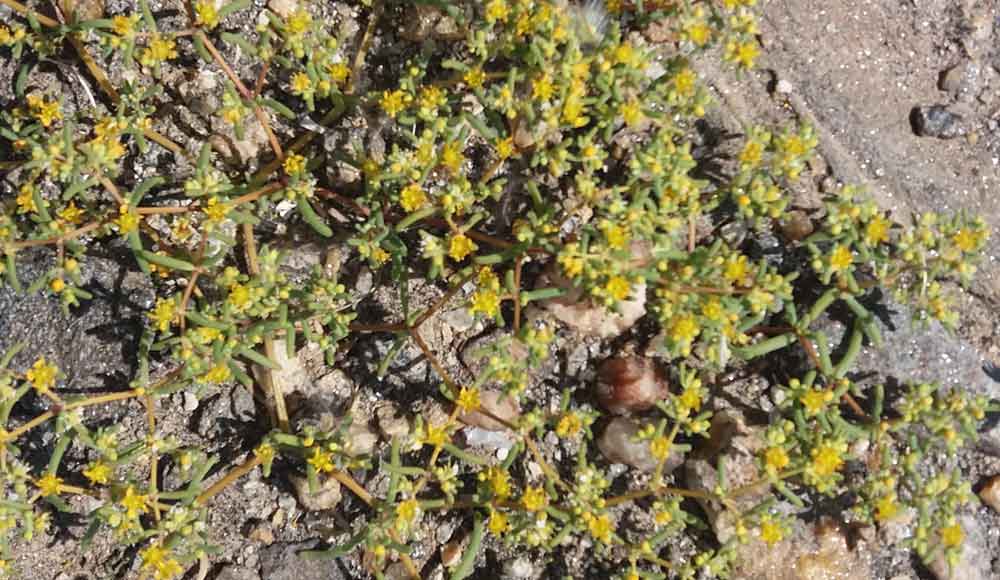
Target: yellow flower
{"points": [[124, 26], [49, 484], [497, 10], [814, 401], [487, 302], [215, 210], [952, 536], [206, 15], [541, 88], [431, 98], [71, 214], [299, 22], [698, 32], [617, 236], [164, 313], [98, 472], [338, 72], [42, 375], [572, 265], [461, 246], [966, 240], [57, 285], [684, 81], [468, 399], [218, 374], [498, 524], [534, 499], [406, 512], [26, 199], [394, 102], [321, 461], [684, 329], [886, 508], [751, 154], [569, 425], [134, 503], [412, 198], [877, 231], [301, 84], [294, 164], [499, 481], [265, 452], [770, 532], [240, 297], [127, 220], [841, 258], [435, 435], [505, 147], [451, 157], [826, 459], [736, 269], [475, 78], [618, 288], [157, 561], [600, 528], [631, 112], [659, 447], [775, 459], [159, 50], [46, 112], [742, 53]]}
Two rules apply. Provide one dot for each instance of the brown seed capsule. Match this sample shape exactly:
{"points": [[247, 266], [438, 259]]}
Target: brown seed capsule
{"points": [[630, 384]]}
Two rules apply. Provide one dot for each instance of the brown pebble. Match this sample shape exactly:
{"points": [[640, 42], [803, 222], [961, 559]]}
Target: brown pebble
{"points": [[630, 384], [990, 494]]}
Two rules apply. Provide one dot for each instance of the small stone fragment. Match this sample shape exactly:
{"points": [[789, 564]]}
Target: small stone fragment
{"points": [[261, 532], [990, 493], [283, 8], [233, 572], [937, 121], [629, 384], [327, 495], [494, 403], [618, 445], [190, 402], [451, 552], [974, 560], [962, 80], [391, 423], [360, 440], [82, 10], [581, 314], [518, 569]]}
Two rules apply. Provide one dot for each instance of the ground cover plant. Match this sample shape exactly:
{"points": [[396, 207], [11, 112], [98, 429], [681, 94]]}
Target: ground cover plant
{"points": [[541, 165]]}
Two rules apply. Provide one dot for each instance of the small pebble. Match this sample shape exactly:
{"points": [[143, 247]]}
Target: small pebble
{"points": [[937, 121], [629, 384], [990, 494], [618, 445], [327, 495]]}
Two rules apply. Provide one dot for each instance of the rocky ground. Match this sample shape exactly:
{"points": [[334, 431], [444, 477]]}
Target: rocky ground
{"points": [[905, 97]]}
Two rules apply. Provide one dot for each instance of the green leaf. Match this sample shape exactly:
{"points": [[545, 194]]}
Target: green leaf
{"points": [[278, 108], [309, 215], [167, 261]]}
